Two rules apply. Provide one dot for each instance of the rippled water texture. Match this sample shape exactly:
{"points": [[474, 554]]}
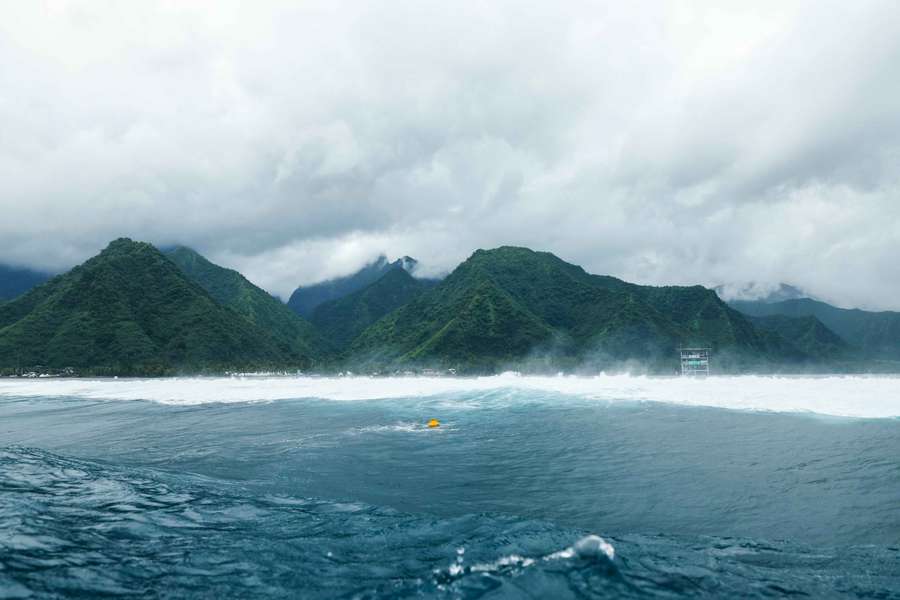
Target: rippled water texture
{"points": [[321, 488]]}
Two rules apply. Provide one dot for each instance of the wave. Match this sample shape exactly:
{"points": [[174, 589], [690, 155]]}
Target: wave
{"points": [[403, 427], [78, 527], [591, 547], [841, 396]]}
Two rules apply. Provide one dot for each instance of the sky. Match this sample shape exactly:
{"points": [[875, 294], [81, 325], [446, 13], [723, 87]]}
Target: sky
{"points": [[661, 142]]}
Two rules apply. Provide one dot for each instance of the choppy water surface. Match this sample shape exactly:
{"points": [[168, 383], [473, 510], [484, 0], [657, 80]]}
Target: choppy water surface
{"points": [[321, 488]]}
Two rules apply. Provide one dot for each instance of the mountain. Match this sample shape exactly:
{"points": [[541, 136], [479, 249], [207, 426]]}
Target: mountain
{"points": [[343, 319], [875, 334], [509, 305], [759, 292], [129, 310], [15, 281], [807, 334], [134, 310], [296, 336], [304, 300], [705, 319]]}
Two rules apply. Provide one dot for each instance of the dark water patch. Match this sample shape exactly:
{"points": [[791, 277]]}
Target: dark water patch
{"points": [[637, 468], [320, 499], [75, 528]]}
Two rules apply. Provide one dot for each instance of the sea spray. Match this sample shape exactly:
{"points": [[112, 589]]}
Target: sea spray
{"points": [[841, 396]]}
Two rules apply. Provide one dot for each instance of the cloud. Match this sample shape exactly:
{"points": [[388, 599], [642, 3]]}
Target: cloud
{"points": [[660, 142]]}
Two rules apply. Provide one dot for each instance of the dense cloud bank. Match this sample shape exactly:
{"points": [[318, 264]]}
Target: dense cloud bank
{"points": [[294, 141]]}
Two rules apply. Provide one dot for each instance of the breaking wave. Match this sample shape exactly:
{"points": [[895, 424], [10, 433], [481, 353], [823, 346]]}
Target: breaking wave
{"points": [[841, 396]]}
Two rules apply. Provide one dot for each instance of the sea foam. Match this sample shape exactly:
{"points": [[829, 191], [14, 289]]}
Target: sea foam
{"points": [[843, 396]]}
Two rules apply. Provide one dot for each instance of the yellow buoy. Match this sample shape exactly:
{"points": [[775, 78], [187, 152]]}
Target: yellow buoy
{"points": [[434, 423]]}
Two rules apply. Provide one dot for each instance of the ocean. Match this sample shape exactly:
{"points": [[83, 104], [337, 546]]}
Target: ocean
{"points": [[531, 487]]}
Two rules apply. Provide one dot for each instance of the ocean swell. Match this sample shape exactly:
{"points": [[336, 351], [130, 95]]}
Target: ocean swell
{"points": [[81, 528]]}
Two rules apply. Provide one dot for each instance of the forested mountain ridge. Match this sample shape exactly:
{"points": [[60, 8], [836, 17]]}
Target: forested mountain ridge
{"points": [[305, 299], [343, 319], [295, 335], [512, 304], [134, 310], [875, 335], [808, 334], [129, 310]]}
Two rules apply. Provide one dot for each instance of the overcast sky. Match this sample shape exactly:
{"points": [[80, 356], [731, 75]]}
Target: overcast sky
{"points": [[662, 142]]}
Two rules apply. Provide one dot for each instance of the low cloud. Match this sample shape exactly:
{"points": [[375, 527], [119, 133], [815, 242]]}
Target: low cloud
{"points": [[655, 142]]}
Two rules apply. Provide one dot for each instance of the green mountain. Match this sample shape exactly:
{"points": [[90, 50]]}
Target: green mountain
{"points": [[15, 281], [129, 310], [875, 334], [510, 305], [704, 318], [341, 320], [295, 336], [807, 334], [304, 300], [134, 310]]}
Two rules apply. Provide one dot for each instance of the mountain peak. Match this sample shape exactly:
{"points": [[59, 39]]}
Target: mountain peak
{"points": [[379, 262], [507, 250], [129, 310], [180, 249], [124, 244], [342, 319], [759, 292], [306, 299], [405, 263]]}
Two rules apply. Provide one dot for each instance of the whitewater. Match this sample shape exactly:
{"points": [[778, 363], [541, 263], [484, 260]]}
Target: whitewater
{"points": [[612, 486], [839, 396]]}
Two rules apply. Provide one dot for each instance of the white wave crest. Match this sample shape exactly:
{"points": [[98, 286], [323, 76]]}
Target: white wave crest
{"points": [[401, 427], [591, 547], [843, 396]]}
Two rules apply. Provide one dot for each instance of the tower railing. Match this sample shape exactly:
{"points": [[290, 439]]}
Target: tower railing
{"points": [[695, 361]]}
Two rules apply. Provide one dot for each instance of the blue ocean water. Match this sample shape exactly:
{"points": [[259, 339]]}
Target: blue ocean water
{"points": [[321, 498]]}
